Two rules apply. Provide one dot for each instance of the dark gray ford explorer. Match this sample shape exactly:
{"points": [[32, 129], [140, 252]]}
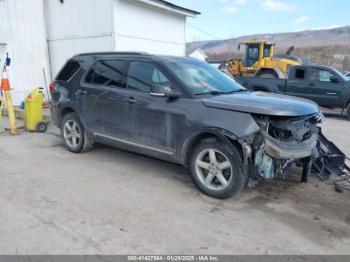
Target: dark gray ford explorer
{"points": [[185, 111]]}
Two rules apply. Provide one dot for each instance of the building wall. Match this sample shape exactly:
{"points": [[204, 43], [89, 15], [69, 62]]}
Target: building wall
{"points": [[43, 34], [140, 27], [22, 35], [78, 26]]}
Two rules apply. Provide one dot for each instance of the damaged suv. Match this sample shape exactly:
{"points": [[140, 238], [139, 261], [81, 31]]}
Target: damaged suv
{"points": [[184, 111]]}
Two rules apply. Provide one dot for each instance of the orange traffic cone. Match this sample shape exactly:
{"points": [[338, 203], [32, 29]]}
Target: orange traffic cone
{"points": [[6, 89]]}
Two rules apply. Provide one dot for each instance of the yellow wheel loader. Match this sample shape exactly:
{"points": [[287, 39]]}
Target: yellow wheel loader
{"points": [[259, 61]]}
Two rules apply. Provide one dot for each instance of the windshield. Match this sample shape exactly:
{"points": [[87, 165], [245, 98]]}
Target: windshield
{"points": [[342, 76], [202, 78]]}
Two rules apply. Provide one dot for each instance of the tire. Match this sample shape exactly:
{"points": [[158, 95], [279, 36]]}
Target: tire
{"points": [[229, 166], [348, 112], [73, 134], [41, 127], [259, 89]]}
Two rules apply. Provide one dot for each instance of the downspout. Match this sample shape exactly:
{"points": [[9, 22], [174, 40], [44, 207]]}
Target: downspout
{"points": [[47, 47], [185, 30], [115, 11]]}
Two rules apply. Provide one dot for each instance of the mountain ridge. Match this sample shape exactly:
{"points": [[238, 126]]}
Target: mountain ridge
{"points": [[307, 38]]}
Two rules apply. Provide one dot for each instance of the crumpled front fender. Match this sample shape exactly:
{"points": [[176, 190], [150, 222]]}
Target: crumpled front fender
{"points": [[331, 160]]}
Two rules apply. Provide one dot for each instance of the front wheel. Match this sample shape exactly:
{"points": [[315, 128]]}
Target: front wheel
{"points": [[217, 170]]}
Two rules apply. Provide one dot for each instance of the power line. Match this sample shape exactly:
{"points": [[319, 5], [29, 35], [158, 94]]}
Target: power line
{"points": [[204, 32]]}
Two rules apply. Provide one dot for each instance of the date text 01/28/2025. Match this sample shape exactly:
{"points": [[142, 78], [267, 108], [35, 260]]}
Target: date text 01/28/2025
{"points": [[173, 258]]}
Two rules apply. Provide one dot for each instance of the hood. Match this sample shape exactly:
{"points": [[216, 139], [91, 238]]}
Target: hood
{"points": [[263, 103]]}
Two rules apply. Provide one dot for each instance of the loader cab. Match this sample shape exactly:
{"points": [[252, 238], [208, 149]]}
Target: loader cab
{"points": [[256, 51]]}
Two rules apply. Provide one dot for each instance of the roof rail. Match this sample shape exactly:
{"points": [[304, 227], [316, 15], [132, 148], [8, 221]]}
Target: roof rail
{"points": [[112, 53]]}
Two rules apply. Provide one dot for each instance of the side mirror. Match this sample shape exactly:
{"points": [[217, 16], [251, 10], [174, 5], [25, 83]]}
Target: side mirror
{"points": [[164, 91], [334, 79]]}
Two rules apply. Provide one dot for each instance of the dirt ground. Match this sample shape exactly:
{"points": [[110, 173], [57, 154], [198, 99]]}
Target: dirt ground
{"points": [[112, 202]]}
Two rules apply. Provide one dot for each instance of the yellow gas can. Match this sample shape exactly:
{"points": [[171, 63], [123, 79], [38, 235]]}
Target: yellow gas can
{"points": [[33, 111]]}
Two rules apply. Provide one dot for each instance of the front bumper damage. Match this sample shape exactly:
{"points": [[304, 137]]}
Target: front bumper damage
{"points": [[291, 150], [286, 142]]}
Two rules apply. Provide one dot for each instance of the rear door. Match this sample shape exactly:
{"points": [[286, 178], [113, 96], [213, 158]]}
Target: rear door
{"points": [[298, 83], [102, 102]]}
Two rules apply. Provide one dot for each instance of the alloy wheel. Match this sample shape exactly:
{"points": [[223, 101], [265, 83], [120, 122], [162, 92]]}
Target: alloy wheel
{"points": [[213, 169], [72, 133]]}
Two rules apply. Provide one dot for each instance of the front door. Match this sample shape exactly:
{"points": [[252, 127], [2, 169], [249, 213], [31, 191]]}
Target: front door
{"points": [[153, 118], [324, 89], [315, 84]]}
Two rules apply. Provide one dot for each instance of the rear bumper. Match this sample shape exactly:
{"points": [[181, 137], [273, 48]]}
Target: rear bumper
{"points": [[54, 116]]}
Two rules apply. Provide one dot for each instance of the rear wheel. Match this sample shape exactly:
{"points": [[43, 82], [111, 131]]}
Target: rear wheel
{"points": [[73, 134], [258, 88], [217, 170], [348, 112], [267, 75]]}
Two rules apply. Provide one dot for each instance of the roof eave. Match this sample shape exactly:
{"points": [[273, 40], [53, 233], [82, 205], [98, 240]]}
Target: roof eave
{"points": [[170, 7]]}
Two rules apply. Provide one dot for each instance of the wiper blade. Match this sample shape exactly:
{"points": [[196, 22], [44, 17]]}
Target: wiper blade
{"points": [[211, 93], [221, 92], [239, 91]]}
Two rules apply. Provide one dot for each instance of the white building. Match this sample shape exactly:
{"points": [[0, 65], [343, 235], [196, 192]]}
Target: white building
{"points": [[199, 54], [40, 35]]}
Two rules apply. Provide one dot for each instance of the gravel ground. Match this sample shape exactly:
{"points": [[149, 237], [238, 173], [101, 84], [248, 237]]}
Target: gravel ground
{"points": [[112, 202]]}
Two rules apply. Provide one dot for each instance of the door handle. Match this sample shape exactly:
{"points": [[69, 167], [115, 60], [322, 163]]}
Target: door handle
{"points": [[81, 92], [131, 100], [113, 98], [331, 94], [312, 84]]}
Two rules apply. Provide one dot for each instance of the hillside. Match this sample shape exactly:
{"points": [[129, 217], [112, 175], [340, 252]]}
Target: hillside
{"points": [[329, 47]]}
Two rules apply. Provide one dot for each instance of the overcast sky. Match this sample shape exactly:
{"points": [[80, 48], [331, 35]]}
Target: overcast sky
{"points": [[221, 19]]}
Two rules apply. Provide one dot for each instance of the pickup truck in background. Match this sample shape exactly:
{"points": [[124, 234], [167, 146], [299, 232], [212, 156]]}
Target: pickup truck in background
{"points": [[324, 85]]}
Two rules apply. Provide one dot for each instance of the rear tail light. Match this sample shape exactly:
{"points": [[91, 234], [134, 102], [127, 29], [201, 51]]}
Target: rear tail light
{"points": [[52, 87]]}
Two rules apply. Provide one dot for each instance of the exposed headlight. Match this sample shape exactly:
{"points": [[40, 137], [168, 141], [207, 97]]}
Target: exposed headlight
{"points": [[319, 117]]}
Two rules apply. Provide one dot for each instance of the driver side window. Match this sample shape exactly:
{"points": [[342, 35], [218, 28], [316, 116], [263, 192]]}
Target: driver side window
{"points": [[320, 75], [142, 76]]}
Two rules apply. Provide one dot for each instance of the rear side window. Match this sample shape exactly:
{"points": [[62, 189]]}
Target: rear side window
{"points": [[68, 71], [108, 73], [300, 74]]}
